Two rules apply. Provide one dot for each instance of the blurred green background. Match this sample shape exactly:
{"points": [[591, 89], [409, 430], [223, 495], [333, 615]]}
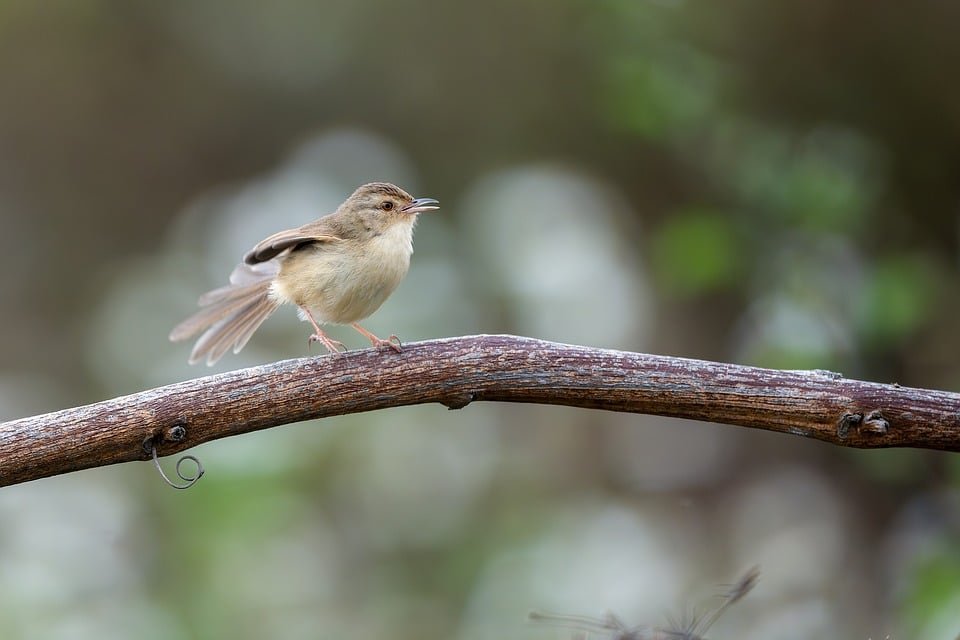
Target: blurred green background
{"points": [[762, 182]]}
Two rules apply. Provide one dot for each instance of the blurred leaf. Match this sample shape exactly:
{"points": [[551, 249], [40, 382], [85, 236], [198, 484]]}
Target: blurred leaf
{"points": [[822, 195], [750, 157], [696, 252], [823, 181], [786, 357], [936, 589], [661, 93], [898, 298]]}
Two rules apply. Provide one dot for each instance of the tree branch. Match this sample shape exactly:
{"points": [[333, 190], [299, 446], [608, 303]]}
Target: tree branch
{"points": [[458, 371]]}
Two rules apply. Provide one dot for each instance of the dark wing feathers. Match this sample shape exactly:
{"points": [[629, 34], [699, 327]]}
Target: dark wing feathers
{"points": [[280, 242]]}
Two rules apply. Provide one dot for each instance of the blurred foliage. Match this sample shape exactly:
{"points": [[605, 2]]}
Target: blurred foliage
{"points": [[696, 252], [932, 605], [900, 294], [771, 183]]}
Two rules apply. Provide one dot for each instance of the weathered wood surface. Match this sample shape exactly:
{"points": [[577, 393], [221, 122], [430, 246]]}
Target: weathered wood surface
{"points": [[458, 371]]}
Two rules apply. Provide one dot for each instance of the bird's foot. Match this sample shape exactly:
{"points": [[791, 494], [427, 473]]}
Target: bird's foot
{"points": [[393, 342], [333, 346]]}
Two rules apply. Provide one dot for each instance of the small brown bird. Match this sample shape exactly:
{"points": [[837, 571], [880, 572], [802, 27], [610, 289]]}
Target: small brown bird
{"points": [[338, 269]]}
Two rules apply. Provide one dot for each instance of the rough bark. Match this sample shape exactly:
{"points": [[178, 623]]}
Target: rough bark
{"points": [[458, 371]]}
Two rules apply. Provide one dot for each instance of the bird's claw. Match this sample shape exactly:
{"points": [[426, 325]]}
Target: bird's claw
{"points": [[333, 346], [394, 343]]}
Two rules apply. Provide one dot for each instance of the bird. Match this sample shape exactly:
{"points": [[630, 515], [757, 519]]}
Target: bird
{"points": [[337, 269]]}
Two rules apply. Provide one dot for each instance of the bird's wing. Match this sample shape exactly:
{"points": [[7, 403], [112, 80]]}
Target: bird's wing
{"points": [[280, 242]]}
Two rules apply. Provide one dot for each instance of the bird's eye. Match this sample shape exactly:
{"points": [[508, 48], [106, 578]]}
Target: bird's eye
{"points": [[387, 206]]}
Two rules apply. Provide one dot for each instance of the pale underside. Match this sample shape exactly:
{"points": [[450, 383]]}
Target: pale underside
{"points": [[340, 284]]}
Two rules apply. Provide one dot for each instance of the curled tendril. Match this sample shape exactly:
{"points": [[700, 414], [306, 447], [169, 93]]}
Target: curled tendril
{"points": [[189, 480]]}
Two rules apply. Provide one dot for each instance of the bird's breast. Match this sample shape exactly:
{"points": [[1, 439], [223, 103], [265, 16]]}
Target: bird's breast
{"points": [[346, 281]]}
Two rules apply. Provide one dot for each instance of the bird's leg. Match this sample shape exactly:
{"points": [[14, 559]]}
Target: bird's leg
{"points": [[393, 341], [332, 345]]}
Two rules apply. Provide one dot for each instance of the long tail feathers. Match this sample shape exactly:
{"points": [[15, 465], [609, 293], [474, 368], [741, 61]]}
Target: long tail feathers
{"points": [[229, 317]]}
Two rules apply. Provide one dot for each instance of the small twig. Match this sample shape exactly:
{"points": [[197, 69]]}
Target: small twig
{"points": [[458, 371]]}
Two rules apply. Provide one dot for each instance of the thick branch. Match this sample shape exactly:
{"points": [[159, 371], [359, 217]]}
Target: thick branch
{"points": [[458, 371]]}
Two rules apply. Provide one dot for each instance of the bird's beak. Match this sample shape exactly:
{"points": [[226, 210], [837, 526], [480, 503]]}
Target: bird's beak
{"points": [[421, 204]]}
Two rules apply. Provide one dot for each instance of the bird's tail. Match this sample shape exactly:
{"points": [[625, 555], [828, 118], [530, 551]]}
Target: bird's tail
{"points": [[230, 314]]}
